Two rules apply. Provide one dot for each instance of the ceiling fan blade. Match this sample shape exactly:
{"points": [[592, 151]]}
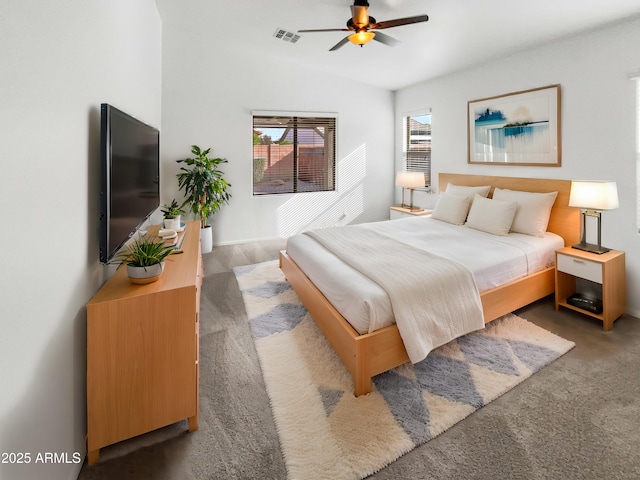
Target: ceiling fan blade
{"points": [[360, 15], [386, 39], [339, 44], [400, 21], [326, 30]]}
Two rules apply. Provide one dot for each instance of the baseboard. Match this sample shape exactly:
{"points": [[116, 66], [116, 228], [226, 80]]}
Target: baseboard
{"points": [[248, 240]]}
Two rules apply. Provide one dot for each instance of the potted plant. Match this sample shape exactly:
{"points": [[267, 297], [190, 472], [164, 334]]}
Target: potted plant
{"points": [[205, 189], [144, 259], [172, 215]]}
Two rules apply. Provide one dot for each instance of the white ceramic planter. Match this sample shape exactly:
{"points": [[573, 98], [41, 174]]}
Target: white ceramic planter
{"points": [[206, 239], [142, 275], [173, 223]]}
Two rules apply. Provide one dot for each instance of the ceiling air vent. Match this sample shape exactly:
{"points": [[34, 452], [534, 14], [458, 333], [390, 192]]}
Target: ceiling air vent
{"points": [[286, 36]]}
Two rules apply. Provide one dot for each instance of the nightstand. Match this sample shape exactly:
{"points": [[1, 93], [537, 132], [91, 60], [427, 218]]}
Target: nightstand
{"points": [[602, 275], [398, 212]]}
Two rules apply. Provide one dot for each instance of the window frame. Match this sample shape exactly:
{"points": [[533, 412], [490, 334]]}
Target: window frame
{"points": [[408, 141], [635, 78], [329, 165]]}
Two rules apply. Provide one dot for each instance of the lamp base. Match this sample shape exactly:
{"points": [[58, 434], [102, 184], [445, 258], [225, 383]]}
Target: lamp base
{"points": [[591, 247], [411, 208]]}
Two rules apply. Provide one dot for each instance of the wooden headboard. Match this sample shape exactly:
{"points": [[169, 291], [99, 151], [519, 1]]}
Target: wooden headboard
{"points": [[564, 220]]}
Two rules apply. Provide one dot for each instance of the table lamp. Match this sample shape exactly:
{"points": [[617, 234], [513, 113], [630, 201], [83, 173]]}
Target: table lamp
{"points": [[410, 180], [592, 197]]}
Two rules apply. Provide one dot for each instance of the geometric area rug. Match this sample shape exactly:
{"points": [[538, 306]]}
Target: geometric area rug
{"points": [[326, 432]]}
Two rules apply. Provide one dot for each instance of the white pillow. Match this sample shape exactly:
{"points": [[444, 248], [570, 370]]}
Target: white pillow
{"points": [[451, 208], [532, 214], [491, 216], [466, 191]]}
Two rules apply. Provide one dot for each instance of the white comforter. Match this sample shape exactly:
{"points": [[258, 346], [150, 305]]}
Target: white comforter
{"points": [[494, 260], [434, 299]]}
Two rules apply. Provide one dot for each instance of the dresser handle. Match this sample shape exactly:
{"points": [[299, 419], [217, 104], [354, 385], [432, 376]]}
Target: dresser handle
{"points": [[578, 261]]}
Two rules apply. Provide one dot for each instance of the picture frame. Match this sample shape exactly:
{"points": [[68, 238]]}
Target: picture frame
{"points": [[519, 128]]}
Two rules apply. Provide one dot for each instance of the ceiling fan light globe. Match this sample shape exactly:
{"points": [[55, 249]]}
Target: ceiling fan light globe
{"points": [[360, 38]]}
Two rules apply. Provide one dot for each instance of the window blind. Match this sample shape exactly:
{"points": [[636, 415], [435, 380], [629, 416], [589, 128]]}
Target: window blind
{"points": [[417, 145], [293, 154]]}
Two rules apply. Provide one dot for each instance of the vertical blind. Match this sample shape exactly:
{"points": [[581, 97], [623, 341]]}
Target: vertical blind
{"points": [[293, 154], [417, 145]]}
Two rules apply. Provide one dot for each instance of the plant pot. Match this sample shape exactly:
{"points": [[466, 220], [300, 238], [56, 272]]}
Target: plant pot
{"points": [[143, 275], [173, 223], [206, 239]]}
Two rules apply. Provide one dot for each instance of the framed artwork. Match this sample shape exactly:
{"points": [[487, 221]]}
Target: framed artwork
{"points": [[520, 128]]}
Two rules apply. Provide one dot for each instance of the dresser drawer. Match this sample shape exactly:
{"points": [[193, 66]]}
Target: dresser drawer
{"points": [[580, 267]]}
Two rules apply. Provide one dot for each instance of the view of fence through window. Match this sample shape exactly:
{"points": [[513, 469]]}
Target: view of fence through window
{"points": [[293, 154]]}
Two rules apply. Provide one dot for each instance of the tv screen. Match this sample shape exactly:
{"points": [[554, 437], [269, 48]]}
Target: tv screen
{"points": [[130, 177]]}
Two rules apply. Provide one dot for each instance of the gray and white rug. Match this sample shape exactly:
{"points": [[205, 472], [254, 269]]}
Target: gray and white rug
{"points": [[327, 433]]}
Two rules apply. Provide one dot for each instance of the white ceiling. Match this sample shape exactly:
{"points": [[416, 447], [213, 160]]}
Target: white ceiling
{"points": [[459, 33]]}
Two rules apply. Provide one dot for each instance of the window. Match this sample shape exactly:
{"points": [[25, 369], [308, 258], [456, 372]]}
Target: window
{"points": [[293, 154], [417, 144], [636, 77]]}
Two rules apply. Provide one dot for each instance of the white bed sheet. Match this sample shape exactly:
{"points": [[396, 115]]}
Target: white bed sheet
{"points": [[493, 260]]}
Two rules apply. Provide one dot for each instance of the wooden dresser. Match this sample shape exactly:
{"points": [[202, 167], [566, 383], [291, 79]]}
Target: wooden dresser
{"points": [[143, 351]]}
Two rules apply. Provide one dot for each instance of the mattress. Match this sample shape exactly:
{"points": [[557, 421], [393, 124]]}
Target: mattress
{"points": [[493, 260]]}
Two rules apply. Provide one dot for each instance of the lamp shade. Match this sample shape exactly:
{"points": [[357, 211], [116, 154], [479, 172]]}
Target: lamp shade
{"points": [[360, 38], [410, 179], [594, 195]]}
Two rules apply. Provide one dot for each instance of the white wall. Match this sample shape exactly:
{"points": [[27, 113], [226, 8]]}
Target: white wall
{"points": [[211, 87], [598, 121], [59, 61]]}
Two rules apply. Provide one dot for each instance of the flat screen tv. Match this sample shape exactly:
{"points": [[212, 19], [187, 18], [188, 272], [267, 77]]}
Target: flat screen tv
{"points": [[130, 177]]}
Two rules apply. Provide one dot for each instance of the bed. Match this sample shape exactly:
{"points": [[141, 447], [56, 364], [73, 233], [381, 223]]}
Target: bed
{"points": [[367, 352]]}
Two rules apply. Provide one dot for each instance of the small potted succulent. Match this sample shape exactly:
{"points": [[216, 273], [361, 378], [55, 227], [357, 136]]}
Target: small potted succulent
{"points": [[172, 215], [144, 259]]}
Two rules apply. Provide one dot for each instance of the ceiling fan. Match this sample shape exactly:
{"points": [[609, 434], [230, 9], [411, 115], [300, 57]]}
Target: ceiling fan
{"points": [[362, 26]]}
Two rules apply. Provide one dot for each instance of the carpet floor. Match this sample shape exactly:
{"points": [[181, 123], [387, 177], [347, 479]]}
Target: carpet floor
{"points": [[328, 433], [575, 419]]}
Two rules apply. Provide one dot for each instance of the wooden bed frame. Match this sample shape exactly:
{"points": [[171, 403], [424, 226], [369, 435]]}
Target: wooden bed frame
{"points": [[373, 353]]}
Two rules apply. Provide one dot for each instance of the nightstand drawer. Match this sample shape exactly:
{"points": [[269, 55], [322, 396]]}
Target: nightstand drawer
{"points": [[580, 268]]}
